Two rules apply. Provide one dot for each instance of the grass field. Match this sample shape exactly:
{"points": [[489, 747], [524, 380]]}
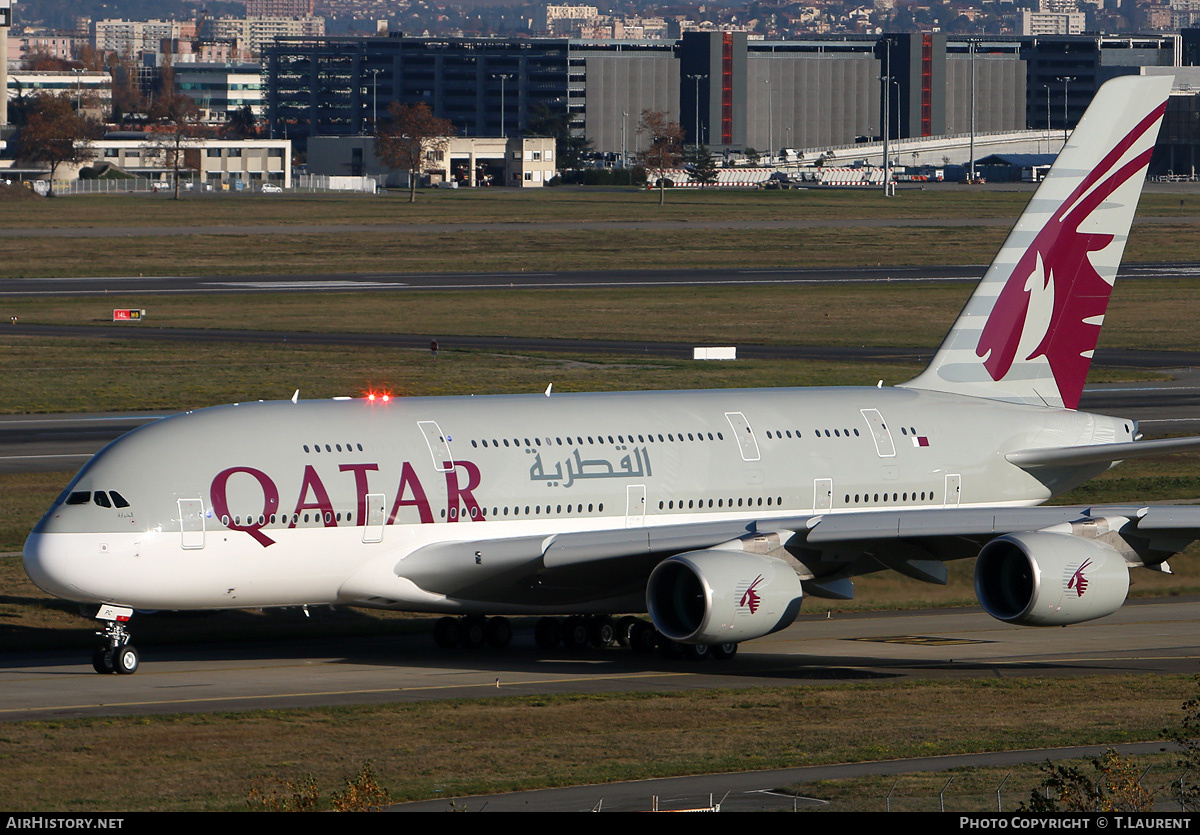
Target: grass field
{"points": [[1142, 314], [394, 249], [534, 251], [440, 748], [535, 206]]}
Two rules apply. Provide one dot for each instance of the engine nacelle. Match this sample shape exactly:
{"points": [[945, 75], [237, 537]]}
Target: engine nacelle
{"points": [[721, 596], [1049, 579]]}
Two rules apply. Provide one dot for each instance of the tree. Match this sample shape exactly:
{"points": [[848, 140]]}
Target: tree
{"points": [[572, 150], [1187, 738], [409, 138], [54, 134], [127, 98], [703, 163], [176, 126], [666, 148], [241, 123], [1116, 788]]}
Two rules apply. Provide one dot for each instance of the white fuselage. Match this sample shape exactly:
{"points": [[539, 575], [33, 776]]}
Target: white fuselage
{"points": [[280, 503]]}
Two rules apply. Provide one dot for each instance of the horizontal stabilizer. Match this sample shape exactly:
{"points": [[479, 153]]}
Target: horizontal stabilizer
{"points": [[1100, 453]]}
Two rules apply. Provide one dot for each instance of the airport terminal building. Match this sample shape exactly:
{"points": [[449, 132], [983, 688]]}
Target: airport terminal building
{"points": [[728, 90]]}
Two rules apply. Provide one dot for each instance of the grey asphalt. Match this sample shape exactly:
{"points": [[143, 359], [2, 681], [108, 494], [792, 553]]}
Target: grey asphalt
{"points": [[142, 285], [313, 669]]}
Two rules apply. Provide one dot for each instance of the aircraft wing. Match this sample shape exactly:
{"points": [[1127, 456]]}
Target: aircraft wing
{"points": [[987, 523], [1099, 453]]}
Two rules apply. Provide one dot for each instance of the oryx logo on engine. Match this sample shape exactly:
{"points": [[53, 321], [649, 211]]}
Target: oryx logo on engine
{"points": [[1078, 581], [750, 598]]}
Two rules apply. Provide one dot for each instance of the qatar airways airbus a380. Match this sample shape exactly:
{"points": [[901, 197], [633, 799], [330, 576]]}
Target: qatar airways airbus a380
{"points": [[715, 511]]}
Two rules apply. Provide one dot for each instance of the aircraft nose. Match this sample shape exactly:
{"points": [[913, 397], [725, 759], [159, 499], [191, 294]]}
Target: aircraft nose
{"points": [[50, 565]]}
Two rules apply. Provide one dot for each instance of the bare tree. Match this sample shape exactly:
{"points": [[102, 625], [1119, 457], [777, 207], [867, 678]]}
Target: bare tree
{"points": [[411, 137], [666, 147], [127, 98], [55, 134], [176, 127]]}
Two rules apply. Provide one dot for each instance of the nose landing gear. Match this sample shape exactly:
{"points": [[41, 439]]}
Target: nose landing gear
{"points": [[115, 654]]}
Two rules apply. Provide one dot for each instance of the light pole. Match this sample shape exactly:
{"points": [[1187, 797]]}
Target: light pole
{"points": [[503, 76], [972, 45], [770, 121], [1065, 80], [696, 83], [374, 97], [886, 79], [624, 126]]}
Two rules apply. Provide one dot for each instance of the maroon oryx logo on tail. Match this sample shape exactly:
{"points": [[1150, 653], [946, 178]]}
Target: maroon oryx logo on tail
{"points": [[1058, 261]]}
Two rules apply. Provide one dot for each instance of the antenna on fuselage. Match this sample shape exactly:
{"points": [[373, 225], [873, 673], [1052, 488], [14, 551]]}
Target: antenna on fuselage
{"points": [[296, 396], [548, 389]]}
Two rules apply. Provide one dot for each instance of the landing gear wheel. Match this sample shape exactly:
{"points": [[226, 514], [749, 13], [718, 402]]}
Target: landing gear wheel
{"points": [[697, 652], [575, 635], [102, 660], [643, 637], [723, 652], [498, 632], [601, 633], [472, 632], [624, 630], [548, 633], [445, 633], [671, 649], [115, 654], [125, 660]]}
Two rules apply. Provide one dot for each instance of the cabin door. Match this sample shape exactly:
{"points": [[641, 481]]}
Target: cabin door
{"points": [[191, 523]]}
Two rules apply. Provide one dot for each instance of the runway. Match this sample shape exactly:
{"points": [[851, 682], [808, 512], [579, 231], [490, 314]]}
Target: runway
{"points": [[561, 279], [1153, 638]]}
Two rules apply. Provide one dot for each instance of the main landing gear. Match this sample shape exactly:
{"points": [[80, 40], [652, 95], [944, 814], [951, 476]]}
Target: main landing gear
{"points": [[472, 632], [115, 654], [574, 633]]}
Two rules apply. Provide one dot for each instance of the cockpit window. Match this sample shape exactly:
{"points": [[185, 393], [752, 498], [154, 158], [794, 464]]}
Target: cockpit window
{"points": [[118, 499], [82, 497], [102, 499]]}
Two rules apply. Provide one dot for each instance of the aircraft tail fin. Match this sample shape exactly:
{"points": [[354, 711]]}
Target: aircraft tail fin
{"points": [[1028, 332]]}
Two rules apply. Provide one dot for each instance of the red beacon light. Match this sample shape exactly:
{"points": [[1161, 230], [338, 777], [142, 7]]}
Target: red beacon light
{"points": [[375, 396]]}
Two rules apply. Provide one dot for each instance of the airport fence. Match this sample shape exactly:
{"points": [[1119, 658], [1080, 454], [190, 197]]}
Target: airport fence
{"points": [[107, 186], [326, 182]]}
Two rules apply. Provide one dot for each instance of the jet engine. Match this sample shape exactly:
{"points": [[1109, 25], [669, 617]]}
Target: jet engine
{"points": [[1049, 579], [721, 596]]}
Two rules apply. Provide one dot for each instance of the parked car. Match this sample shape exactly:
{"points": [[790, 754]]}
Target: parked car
{"points": [[271, 188], [160, 185]]}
